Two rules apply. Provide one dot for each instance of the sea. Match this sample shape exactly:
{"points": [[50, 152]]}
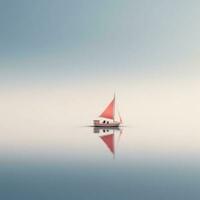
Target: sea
{"points": [[80, 162]]}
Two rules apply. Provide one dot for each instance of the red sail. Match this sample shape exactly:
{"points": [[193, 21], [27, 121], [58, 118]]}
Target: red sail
{"points": [[109, 141], [109, 112]]}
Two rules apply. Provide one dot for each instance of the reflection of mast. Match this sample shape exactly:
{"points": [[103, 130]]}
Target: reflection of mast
{"points": [[120, 134]]}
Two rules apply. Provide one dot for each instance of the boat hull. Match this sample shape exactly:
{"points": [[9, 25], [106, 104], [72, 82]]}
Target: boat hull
{"points": [[97, 123]]}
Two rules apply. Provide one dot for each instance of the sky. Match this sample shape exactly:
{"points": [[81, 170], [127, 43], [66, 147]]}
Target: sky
{"points": [[52, 41], [58, 56]]}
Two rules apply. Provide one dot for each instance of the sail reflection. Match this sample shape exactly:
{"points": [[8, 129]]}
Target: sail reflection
{"points": [[110, 137]]}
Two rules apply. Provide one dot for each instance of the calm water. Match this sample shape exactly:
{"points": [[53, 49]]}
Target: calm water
{"points": [[81, 163]]}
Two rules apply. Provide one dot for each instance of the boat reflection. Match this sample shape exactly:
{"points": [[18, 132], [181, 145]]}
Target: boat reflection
{"points": [[110, 137]]}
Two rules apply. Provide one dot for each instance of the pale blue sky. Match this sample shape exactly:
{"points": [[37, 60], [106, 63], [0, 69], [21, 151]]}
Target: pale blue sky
{"points": [[67, 39]]}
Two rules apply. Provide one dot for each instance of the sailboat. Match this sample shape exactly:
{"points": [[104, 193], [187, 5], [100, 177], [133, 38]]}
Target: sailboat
{"points": [[108, 116]]}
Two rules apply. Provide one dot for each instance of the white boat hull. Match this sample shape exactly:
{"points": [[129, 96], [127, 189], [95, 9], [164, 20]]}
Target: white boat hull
{"points": [[97, 123]]}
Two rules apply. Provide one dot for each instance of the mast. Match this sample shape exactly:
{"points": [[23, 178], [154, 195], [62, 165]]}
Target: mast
{"points": [[120, 119], [114, 109]]}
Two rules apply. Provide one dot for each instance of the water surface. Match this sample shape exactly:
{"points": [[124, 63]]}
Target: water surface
{"points": [[77, 163]]}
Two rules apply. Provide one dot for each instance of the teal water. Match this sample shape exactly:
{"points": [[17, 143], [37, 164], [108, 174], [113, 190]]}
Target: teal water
{"points": [[77, 164]]}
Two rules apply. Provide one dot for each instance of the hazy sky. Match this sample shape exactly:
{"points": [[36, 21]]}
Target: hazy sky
{"points": [[66, 59], [67, 40]]}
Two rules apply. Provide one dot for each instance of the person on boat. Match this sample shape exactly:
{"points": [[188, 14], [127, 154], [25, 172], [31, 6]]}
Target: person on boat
{"points": [[107, 122], [104, 122]]}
